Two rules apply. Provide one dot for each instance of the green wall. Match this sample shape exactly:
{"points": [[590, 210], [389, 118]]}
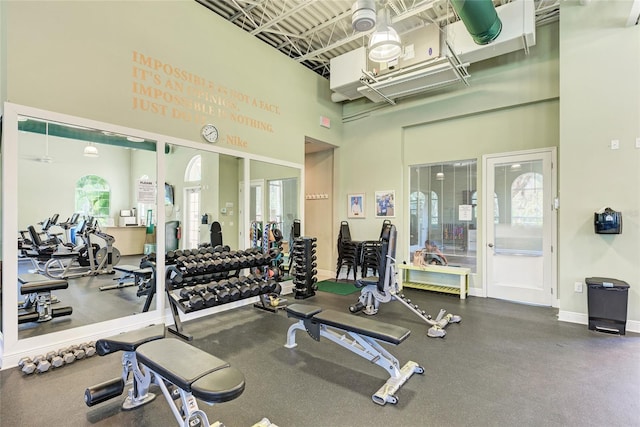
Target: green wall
{"points": [[600, 101], [511, 104], [165, 67]]}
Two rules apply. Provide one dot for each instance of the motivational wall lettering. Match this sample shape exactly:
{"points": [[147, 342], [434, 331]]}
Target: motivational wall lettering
{"points": [[170, 91]]}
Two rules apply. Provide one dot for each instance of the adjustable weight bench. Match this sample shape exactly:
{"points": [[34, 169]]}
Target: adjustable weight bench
{"points": [[359, 335], [184, 373], [384, 288]]}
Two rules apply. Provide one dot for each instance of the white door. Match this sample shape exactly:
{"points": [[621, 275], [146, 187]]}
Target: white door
{"points": [[520, 226]]}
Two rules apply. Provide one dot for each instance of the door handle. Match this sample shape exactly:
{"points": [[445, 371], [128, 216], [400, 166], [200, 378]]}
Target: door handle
{"points": [[490, 245]]}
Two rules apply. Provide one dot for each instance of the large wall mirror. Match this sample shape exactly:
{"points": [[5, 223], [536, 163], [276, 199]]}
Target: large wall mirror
{"points": [[205, 185], [85, 201], [78, 204]]}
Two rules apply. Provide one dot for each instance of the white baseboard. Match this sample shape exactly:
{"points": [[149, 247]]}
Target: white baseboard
{"points": [[583, 319]]}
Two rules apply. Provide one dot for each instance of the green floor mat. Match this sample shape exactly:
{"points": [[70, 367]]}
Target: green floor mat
{"points": [[337, 288]]}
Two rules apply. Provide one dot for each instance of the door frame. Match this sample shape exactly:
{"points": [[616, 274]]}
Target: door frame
{"points": [[487, 213]]}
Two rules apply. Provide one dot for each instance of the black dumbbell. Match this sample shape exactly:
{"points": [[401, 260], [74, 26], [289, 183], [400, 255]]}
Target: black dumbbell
{"points": [[210, 299], [195, 302], [222, 292], [234, 292], [186, 293], [244, 289]]}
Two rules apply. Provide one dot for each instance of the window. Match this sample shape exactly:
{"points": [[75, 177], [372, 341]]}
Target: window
{"points": [[437, 192], [193, 173], [93, 196], [192, 201], [526, 199]]}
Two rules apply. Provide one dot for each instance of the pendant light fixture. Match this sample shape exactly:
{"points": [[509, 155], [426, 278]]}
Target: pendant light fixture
{"points": [[384, 44], [90, 150]]}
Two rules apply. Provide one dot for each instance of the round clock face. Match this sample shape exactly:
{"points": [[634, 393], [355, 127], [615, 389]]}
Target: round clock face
{"points": [[210, 133]]}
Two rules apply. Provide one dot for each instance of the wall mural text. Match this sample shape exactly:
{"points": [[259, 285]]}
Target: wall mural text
{"points": [[170, 91]]}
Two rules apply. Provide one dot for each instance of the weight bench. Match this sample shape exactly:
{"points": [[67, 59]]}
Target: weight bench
{"points": [[132, 276], [184, 373], [38, 299], [384, 288], [363, 336]]}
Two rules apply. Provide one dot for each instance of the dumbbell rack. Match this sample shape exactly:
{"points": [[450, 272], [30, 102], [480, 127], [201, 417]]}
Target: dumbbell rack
{"points": [[206, 278], [304, 258]]}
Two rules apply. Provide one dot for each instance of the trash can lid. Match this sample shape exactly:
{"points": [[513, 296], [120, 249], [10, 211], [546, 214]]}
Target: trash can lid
{"points": [[606, 282]]}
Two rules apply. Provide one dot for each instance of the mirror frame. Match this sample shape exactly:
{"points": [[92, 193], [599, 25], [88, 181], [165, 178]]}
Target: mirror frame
{"points": [[11, 347]]}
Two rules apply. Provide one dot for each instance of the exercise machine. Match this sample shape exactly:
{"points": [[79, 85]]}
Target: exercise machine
{"points": [[384, 288], [88, 259], [361, 336]]}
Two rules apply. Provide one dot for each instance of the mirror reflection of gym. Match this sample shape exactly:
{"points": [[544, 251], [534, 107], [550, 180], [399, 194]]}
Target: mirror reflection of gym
{"points": [[275, 195], [205, 186], [78, 198]]}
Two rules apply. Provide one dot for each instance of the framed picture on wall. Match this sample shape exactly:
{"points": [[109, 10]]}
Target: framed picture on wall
{"points": [[355, 203], [385, 204]]}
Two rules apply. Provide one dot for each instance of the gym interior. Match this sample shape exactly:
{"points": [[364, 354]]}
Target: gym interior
{"points": [[171, 175]]}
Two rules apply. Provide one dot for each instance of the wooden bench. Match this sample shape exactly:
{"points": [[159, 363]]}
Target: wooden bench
{"points": [[438, 278]]}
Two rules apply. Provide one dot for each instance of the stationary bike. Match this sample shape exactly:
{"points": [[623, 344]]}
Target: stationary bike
{"points": [[65, 263]]}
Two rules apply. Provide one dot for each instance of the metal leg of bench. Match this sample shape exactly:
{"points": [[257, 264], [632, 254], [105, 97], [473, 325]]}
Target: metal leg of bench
{"points": [[369, 349], [139, 392], [189, 405], [291, 334]]}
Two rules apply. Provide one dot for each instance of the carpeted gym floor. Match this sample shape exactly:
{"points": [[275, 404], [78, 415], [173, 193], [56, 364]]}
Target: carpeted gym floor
{"points": [[506, 364]]}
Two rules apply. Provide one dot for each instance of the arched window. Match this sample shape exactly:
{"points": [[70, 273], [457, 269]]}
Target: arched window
{"points": [[93, 197], [193, 173], [526, 199]]}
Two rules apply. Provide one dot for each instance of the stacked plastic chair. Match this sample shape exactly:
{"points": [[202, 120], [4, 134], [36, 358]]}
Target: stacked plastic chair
{"points": [[371, 252], [348, 251]]}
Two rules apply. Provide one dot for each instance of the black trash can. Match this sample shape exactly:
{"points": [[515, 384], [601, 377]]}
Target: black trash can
{"points": [[607, 301]]}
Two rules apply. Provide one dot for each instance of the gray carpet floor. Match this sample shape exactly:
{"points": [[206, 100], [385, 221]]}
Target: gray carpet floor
{"points": [[505, 365]]}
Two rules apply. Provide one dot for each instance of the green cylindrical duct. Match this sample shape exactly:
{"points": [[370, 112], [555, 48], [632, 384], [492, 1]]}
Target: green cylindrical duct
{"points": [[480, 18]]}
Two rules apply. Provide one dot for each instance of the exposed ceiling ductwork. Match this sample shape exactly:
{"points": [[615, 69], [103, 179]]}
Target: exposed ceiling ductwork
{"points": [[480, 18], [313, 32], [436, 56]]}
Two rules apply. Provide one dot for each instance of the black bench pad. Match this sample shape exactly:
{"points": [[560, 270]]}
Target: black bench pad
{"points": [[360, 325], [129, 341], [43, 286], [191, 369], [302, 311]]}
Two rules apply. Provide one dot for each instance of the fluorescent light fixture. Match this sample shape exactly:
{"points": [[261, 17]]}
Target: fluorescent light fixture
{"points": [[516, 167], [440, 176], [135, 139], [384, 44]]}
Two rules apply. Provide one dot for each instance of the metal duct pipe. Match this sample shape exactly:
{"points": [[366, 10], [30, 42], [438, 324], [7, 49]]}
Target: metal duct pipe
{"points": [[480, 18]]}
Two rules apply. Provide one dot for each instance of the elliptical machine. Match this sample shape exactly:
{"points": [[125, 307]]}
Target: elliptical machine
{"points": [[385, 288], [66, 264]]}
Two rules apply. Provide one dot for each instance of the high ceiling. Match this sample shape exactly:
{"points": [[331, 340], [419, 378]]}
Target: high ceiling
{"points": [[314, 31]]}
